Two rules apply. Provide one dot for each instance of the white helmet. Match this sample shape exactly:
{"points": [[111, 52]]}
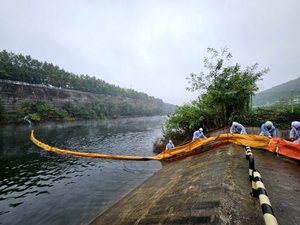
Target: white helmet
{"points": [[200, 129], [170, 141], [269, 124], [296, 124]]}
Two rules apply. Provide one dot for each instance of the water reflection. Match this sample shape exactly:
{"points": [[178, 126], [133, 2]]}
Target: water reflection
{"points": [[41, 187]]}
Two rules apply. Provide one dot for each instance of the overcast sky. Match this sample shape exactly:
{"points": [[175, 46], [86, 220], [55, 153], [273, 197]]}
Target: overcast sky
{"points": [[151, 46]]}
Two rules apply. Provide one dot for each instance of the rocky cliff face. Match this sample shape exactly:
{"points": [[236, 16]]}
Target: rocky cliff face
{"points": [[13, 94]]}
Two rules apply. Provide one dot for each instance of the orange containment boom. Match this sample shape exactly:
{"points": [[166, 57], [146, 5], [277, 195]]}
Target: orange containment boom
{"points": [[286, 148], [277, 145]]}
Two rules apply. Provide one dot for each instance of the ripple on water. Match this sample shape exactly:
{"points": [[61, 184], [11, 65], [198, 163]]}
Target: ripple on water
{"points": [[40, 181]]}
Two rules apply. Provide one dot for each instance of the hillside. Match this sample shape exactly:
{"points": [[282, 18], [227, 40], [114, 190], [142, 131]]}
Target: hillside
{"points": [[43, 92], [282, 92]]}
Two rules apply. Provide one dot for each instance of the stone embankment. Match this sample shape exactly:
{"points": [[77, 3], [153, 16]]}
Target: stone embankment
{"points": [[13, 94], [212, 188]]}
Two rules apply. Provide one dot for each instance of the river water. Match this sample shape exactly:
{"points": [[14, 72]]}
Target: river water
{"points": [[41, 187]]}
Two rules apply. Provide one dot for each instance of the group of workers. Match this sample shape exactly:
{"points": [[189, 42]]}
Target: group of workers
{"points": [[267, 129]]}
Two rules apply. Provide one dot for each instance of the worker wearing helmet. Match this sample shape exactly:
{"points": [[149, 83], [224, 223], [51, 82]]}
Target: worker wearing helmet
{"points": [[170, 145], [237, 128], [295, 132], [199, 134], [268, 129]]}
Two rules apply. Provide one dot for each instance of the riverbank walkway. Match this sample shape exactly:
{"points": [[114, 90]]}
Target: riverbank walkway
{"points": [[212, 188]]}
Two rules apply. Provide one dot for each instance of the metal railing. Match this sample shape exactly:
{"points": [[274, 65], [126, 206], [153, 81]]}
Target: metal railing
{"points": [[269, 98]]}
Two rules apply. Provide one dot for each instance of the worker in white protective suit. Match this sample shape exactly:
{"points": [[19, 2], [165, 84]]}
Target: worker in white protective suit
{"points": [[199, 134], [237, 128], [268, 129], [295, 132], [170, 145]]}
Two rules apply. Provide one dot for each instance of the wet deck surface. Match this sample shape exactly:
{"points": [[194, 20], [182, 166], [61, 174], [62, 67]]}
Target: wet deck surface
{"points": [[212, 188]]}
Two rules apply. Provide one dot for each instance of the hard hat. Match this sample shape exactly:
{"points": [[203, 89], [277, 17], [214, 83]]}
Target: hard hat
{"points": [[234, 124], [170, 141], [200, 129]]}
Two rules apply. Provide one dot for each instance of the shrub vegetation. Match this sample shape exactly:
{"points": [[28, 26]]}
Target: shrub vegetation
{"points": [[225, 93]]}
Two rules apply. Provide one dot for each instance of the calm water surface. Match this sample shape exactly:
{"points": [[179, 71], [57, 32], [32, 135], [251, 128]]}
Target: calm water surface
{"points": [[40, 187]]}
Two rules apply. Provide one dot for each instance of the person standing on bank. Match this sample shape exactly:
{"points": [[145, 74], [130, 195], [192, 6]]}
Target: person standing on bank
{"points": [[170, 145], [27, 120], [295, 132], [237, 128], [268, 129], [199, 134]]}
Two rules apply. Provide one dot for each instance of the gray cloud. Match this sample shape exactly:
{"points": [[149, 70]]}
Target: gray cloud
{"points": [[152, 46]]}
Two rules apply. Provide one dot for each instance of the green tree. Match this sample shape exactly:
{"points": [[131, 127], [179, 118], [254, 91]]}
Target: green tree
{"points": [[23, 68], [226, 88], [41, 111], [126, 109], [2, 112], [7, 69]]}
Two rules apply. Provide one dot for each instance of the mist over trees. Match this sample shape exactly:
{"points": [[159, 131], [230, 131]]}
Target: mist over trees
{"points": [[19, 68], [25, 69]]}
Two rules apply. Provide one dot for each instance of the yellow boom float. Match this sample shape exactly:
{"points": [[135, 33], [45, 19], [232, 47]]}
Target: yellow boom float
{"points": [[254, 141]]}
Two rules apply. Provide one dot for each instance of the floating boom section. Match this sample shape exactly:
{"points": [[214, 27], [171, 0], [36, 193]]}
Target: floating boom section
{"points": [[277, 145], [255, 141], [286, 148], [85, 154]]}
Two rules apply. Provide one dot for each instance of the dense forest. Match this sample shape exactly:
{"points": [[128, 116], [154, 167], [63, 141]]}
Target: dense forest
{"points": [[19, 68]]}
